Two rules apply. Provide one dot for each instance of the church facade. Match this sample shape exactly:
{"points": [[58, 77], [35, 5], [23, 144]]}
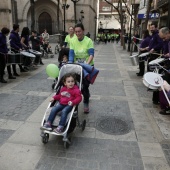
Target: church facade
{"points": [[49, 14]]}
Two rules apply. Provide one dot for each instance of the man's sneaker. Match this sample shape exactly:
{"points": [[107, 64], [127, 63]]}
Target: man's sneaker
{"points": [[16, 74], [47, 126], [59, 129], [86, 108], [11, 77], [164, 112]]}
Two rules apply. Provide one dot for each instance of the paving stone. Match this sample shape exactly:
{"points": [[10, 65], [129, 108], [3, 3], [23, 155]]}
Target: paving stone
{"points": [[166, 150], [152, 163], [142, 91], [113, 89], [133, 75], [106, 60], [41, 75], [151, 149], [108, 66], [18, 107], [42, 85], [110, 74], [109, 155], [5, 135]]}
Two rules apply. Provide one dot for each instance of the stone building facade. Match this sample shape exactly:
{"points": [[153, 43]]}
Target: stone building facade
{"points": [[5, 14], [19, 11]]}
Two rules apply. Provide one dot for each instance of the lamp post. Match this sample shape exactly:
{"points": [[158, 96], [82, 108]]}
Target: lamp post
{"points": [[95, 18], [130, 32], [101, 25], [65, 6], [82, 16], [75, 1]]}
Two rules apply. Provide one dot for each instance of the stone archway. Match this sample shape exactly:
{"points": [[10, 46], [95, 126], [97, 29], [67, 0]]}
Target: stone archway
{"points": [[45, 22]]}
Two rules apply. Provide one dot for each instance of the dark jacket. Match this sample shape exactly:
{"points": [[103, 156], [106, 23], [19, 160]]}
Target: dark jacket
{"points": [[35, 43], [165, 48], [156, 42], [145, 42], [3, 45], [26, 41], [15, 40]]}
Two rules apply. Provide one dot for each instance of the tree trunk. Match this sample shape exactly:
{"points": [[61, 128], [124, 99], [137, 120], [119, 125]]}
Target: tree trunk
{"points": [[121, 23], [58, 17], [147, 14]]}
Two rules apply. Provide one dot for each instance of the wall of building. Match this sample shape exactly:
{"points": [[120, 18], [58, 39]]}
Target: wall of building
{"points": [[23, 14], [5, 14]]}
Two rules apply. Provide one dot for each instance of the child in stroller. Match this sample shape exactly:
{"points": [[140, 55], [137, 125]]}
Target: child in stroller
{"points": [[69, 96], [62, 59], [72, 117]]}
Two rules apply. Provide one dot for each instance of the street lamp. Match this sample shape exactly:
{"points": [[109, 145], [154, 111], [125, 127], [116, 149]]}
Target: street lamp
{"points": [[101, 25], [65, 6], [82, 16], [75, 1], [130, 39], [95, 18]]}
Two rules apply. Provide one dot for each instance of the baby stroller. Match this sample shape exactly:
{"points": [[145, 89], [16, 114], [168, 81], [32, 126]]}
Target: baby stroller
{"points": [[72, 118]]}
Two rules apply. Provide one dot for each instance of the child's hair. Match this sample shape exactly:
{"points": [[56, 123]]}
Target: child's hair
{"points": [[69, 75]]}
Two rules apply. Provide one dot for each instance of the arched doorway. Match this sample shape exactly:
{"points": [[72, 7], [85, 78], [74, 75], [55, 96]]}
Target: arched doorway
{"points": [[45, 22]]}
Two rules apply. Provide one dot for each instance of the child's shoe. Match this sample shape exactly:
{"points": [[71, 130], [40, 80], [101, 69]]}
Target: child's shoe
{"points": [[59, 129], [47, 126]]}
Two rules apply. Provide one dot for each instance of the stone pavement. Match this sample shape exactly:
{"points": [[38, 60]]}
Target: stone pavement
{"points": [[117, 93]]}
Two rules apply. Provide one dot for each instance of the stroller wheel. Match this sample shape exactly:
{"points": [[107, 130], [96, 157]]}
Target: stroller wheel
{"points": [[67, 142], [53, 85], [45, 138], [66, 145], [83, 125], [45, 55]]}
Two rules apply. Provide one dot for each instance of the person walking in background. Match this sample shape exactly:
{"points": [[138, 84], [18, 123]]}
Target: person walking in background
{"points": [[88, 34], [82, 51], [45, 41], [105, 38], [117, 38], [45, 36], [69, 37], [3, 52]]}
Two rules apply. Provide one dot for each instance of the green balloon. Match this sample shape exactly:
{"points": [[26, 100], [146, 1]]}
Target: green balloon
{"points": [[52, 70]]}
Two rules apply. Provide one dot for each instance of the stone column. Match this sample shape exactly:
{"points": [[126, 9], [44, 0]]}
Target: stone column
{"points": [[5, 14]]}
